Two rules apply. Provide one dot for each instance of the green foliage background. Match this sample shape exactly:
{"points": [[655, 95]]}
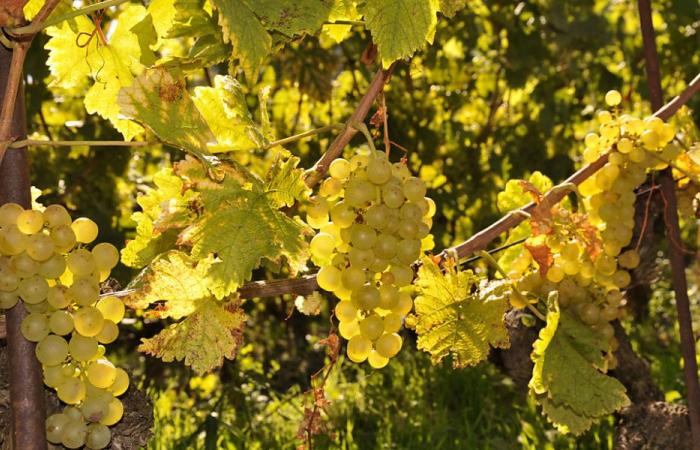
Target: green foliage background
{"points": [[507, 89]]}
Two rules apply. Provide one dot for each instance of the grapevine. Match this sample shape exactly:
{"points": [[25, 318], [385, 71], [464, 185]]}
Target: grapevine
{"points": [[45, 263]]}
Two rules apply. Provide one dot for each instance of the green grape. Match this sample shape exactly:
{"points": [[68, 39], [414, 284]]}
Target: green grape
{"points": [[53, 375], [360, 258], [9, 212], [101, 373], [345, 311], [606, 264], [376, 360], [613, 98], [388, 345], [328, 278], [64, 238], [377, 216], [9, 280], [52, 350], [33, 290], [322, 246], [362, 236], [386, 246], [392, 322], [589, 314], [41, 307], [88, 321], [8, 299], [98, 436], [408, 229], [621, 278], [388, 296], [82, 348], [378, 170], [35, 327], [30, 221], [74, 434], [401, 171], [359, 161], [404, 305], [358, 193], [57, 297], [403, 276], [84, 291], [61, 322], [13, 240], [24, 265], [366, 297], [85, 230], [349, 329], [650, 139], [609, 313], [112, 308], [72, 412], [352, 278], [121, 382], [56, 216], [115, 411], [392, 195], [106, 256], [40, 247], [81, 262], [414, 189], [318, 209], [372, 326], [629, 259], [108, 333], [95, 407], [71, 391], [359, 348], [408, 251], [411, 212], [55, 424], [53, 267], [342, 215], [339, 169]]}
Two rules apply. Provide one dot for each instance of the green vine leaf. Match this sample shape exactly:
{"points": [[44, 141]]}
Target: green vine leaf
{"points": [[285, 182], [451, 7], [574, 394], [292, 18], [459, 314], [203, 339], [250, 40], [159, 100], [400, 27]]}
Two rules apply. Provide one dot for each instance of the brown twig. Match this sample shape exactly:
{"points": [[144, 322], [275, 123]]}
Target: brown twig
{"points": [[336, 148], [668, 193]]}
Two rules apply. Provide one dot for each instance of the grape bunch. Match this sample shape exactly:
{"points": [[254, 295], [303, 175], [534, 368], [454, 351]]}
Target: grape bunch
{"points": [[45, 263], [374, 221]]}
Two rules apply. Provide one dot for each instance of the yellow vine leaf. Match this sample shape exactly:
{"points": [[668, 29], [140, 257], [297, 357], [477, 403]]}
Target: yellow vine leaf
{"points": [[459, 313]]}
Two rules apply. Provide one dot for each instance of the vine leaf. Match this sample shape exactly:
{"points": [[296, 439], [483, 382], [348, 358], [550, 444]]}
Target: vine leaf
{"points": [[250, 40], [292, 18], [451, 7], [459, 313], [285, 182], [341, 10], [573, 393], [239, 226], [164, 212], [159, 100], [203, 339], [177, 282], [225, 110], [400, 27], [111, 65]]}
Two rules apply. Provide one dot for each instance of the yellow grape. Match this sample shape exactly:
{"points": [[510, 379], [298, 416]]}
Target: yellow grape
{"points": [[328, 278], [88, 321], [64, 238], [30, 221], [9, 212], [121, 383], [71, 391], [56, 216], [349, 329], [108, 333], [114, 414], [53, 267], [40, 247], [85, 230], [106, 256], [101, 373], [388, 345], [359, 348], [33, 290], [82, 348], [112, 308], [81, 262], [345, 311], [52, 350], [57, 297], [372, 326], [61, 322], [55, 425]]}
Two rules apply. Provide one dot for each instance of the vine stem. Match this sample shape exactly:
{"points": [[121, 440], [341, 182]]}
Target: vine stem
{"points": [[305, 134], [35, 27], [376, 87], [668, 192]]}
